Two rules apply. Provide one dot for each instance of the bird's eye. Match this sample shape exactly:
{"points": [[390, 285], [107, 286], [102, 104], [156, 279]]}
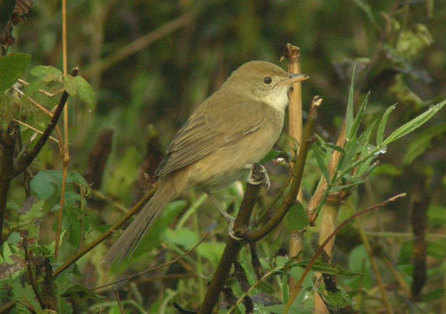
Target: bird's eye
{"points": [[267, 80]]}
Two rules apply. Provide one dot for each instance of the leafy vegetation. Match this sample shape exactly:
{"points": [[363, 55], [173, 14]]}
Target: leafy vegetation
{"points": [[135, 72]]}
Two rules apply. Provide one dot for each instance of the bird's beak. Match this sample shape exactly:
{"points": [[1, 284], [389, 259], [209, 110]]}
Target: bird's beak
{"points": [[293, 78]]}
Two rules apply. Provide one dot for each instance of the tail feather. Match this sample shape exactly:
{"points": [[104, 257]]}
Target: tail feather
{"points": [[130, 238]]}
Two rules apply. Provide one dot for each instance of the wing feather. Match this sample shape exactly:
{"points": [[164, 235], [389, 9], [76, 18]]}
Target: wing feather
{"points": [[212, 126]]}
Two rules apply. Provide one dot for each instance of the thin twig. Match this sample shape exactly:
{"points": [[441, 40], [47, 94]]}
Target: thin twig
{"points": [[93, 244], [164, 265], [26, 125], [42, 91], [65, 151], [319, 251], [112, 202], [379, 279], [142, 43], [35, 103]]}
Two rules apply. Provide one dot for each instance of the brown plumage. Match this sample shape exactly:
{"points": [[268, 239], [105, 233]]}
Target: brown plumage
{"points": [[233, 128]]}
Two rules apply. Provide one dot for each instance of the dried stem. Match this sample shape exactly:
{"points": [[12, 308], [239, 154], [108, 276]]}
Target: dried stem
{"points": [[330, 213], [65, 151], [295, 121], [26, 125]]}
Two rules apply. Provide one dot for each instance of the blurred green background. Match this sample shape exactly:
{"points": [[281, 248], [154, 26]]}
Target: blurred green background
{"points": [[151, 62]]}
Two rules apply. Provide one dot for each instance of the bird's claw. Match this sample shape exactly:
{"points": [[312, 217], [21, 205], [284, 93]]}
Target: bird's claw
{"points": [[259, 175]]}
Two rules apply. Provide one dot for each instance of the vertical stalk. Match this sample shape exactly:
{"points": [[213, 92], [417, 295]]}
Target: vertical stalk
{"points": [[295, 132], [65, 151]]}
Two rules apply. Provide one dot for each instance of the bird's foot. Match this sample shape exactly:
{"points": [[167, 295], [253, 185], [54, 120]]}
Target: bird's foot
{"points": [[232, 233], [259, 175]]}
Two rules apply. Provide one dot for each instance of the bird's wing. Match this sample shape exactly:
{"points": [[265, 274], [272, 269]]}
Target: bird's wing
{"points": [[214, 125]]}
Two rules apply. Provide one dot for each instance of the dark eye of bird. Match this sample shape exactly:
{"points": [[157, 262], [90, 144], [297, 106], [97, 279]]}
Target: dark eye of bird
{"points": [[267, 80]]}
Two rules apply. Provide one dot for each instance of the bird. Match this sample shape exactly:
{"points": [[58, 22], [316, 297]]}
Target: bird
{"points": [[228, 132]]}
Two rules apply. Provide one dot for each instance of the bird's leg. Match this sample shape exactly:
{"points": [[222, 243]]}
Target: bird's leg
{"points": [[260, 178], [219, 204], [225, 214]]}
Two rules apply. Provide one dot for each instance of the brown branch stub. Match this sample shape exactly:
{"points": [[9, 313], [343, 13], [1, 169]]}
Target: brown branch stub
{"points": [[292, 53]]}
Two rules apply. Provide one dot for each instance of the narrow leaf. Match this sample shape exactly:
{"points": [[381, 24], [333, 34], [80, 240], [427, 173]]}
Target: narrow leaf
{"points": [[382, 125], [358, 118], [414, 124], [350, 101], [423, 142], [319, 154]]}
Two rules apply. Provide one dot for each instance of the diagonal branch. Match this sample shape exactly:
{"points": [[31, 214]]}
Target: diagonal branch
{"points": [[117, 225], [27, 158]]}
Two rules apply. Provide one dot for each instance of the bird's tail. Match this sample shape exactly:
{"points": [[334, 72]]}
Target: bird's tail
{"points": [[129, 239]]}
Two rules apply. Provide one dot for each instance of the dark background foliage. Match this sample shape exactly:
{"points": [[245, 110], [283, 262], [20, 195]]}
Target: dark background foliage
{"points": [[145, 91]]}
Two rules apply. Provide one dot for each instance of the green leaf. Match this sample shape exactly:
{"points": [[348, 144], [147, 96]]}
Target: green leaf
{"points": [[70, 85], [357, 120], [24, 294], [86, 92], [320, 159], [47, 73], [422, 142], [414, 124], [11, 68], [382, 125], [44, 184], [437, 294], [182, 236], [297, 217], [78, 86], [211, 251], [350, 102], [364, 6]]}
